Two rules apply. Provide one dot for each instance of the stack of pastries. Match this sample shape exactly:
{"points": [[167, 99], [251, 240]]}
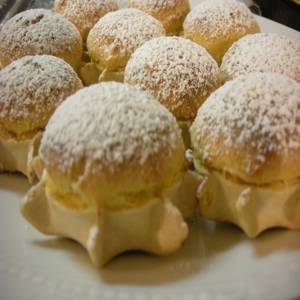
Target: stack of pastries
{"points": [[109, 160]]}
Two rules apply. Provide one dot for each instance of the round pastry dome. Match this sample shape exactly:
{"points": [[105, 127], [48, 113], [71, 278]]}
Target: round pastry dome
{"points": [[37, 32], [262, 52], [250, 129], [170, 13], [118, 34], [84, 14], [176, 71], [112, 145], [217, 24], [31, 88]]}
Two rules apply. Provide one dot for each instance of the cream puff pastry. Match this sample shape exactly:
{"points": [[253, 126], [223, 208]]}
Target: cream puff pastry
{"points": [[217, 24], [38, 32], [114, 164], [170, 13], [177, 72], [246, 140], [262, 52], [115, 37], [31, 88], [84, 14]]}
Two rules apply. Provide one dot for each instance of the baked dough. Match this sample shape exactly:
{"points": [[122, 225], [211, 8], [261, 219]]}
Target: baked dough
{"points": [[217, 24], [178, 72], [117, 35], [31, 88], [37, 32], [84, 14], [246, 138], [262, 52], [170, 13], [114, 160]]}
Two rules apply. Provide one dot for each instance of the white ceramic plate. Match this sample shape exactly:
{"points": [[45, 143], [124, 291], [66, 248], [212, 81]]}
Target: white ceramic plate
{"points": [[216, 263]]}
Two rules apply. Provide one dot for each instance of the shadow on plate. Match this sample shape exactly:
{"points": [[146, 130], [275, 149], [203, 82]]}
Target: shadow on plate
{"points": [[69, 246], [276, 240], [14, 182], [206, 240]]}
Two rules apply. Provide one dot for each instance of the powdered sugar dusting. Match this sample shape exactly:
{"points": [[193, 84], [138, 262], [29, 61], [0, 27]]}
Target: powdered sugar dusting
{"points": [[156, 5], [84, 14], [255, 114], [33, 86], [38, 31], [111, 123], [263, 52], [122, 3], [215, 18], [126, 29], [175, 70]]}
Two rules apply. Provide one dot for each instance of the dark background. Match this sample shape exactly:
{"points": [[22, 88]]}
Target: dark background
{"points": [[283, 11]]}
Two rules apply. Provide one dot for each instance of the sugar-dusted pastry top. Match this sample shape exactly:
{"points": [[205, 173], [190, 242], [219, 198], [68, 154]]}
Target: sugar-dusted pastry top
{"points": [[171, 13], [118, 34], [30, 90], [109, 126], [156, 4], [263, 52], [84, 14], [250, 128], [39, 31], [218, 18], [178, 72]]}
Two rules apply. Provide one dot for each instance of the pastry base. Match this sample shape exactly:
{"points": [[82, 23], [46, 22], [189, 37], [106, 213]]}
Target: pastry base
{"points": [[158, 227], [253, 208], [21, 156]]}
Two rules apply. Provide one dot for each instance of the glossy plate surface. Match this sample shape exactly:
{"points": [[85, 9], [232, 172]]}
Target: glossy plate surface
{"points": [[216, 263]]}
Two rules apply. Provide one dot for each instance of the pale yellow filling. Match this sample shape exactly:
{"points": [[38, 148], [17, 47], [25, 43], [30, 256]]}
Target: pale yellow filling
{"points": [[108, 75], [90, 74], [182, 192]]}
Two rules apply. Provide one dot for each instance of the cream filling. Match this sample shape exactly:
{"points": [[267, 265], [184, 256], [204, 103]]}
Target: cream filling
{"points": [[157, 227], [253, 208], [107, 75], [89, 74], [21, 156]]}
